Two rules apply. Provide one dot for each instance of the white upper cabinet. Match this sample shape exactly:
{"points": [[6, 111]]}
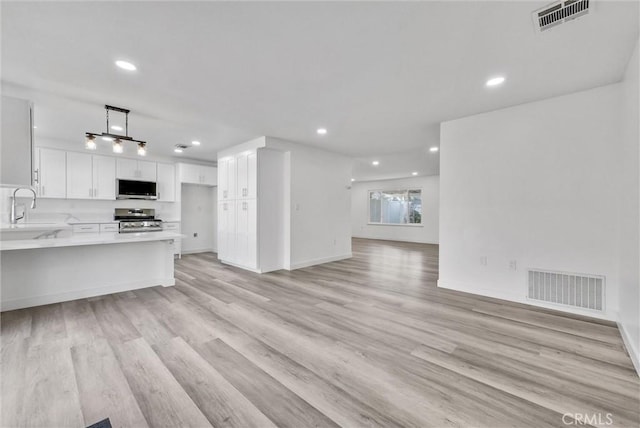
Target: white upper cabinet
{"points": [[166, 182], [133, 169], [104, 177], [79, 176], [198, 174], [50, 173], [90, 177], [227, 178], [16, 149]]}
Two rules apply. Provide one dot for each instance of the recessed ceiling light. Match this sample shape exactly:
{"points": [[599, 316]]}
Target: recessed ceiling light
{"points": [[125, 65], [495, 81], [107, 139], [433, 149], [375, 163], [195, 143], [116, 127], [353, 179], [321, 131], [177, 150], [414, 173], [35, 127]]}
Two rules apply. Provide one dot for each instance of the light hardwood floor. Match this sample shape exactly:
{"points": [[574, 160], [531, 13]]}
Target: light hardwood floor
{"points": [[365, 342]]}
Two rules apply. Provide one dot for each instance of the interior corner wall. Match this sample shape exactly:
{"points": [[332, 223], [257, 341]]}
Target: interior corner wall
{"points": [[629, 214], [427, 232], [536, 184], [199, 217], [320, 204]]}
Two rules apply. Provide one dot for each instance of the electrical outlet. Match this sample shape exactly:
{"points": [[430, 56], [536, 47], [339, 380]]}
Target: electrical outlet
{"points": [[195, 234], [483, 260], [513, 265]]}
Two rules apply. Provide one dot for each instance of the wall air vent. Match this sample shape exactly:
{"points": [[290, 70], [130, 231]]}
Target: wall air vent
{"points": [[575, 290], [558, 12]]}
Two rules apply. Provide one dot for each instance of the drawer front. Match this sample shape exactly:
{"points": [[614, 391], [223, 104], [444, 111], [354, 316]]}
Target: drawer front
{"points": [[86, 228], [171, 226], [109, 227]]}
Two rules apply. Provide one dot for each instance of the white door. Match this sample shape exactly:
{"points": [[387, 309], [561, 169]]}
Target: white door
{"points": [[231, 178], [127, 169], [52, 173], [223, 180], [227, 231], [242, 227], [104, 177], [147, 171], [79, 176], [241, 172], [166, 182], [251, 257], [252, 175]]}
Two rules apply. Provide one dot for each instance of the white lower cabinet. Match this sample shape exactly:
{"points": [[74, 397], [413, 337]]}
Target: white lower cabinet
{"points": [[245, 233], [226, 231], [174, 226]]}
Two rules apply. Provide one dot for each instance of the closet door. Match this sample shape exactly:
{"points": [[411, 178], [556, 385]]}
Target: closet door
{"points": [[242, 228], [227, 231], [242, 164]]}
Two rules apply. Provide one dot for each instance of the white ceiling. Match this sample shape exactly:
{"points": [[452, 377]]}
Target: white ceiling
{"points": [[379, 76]]}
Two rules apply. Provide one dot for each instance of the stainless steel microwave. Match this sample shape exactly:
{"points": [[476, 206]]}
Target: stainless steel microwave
{"points": [[133, 189]]}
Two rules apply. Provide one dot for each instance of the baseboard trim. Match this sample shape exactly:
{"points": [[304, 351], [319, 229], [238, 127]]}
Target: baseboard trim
{"points": [[203, 250], [394, 240], [319, 261], [634, 354], [27, 302], [520, 298]]}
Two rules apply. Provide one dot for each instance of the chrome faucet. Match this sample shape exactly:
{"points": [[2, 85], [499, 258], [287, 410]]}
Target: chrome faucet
{"points": [[14, 217]]}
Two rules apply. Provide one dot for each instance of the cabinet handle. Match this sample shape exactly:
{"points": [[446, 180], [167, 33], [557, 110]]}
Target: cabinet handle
{"points": [[90, 193], [43, 190], [36, 178], [224, 194], [224, 207], [95, 192], [244, 206]]}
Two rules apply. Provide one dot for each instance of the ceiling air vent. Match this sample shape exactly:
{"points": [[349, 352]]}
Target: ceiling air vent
{"points": [[558, 12]]}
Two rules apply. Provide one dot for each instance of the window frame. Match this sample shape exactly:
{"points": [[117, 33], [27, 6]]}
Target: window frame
{"points": [[400, 188]]}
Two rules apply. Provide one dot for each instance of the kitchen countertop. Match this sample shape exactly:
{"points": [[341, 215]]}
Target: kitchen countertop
{"points": [[25, 227], [81, 239]]}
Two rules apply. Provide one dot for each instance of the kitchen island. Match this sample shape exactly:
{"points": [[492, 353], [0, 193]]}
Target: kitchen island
{"points": [[42, 271]]}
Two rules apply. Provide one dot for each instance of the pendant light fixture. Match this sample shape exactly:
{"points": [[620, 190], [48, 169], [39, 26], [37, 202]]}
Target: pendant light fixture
{"points": [[90, 143]]}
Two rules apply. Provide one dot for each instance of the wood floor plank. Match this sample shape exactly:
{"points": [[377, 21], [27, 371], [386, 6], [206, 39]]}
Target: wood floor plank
{"points": [[220, 401], [50, 395], [278, 403], [161, 398], [366, 342], [104, 391]]}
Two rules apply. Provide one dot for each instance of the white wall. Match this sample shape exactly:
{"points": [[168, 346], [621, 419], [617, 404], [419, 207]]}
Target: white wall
{"points": [[536, 183], [319, 202], [629, 318], [427, 232], [199, 216]]}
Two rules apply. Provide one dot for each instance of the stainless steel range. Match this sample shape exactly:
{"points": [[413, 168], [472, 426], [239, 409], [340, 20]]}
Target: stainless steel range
{"points": [[137, 220]]}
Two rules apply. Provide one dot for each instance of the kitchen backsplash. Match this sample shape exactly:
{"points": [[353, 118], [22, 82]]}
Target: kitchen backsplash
{"points": [[78, 210]]}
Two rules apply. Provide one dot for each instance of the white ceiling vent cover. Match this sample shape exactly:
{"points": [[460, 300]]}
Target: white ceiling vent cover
{"points": [[558, 12], [575, 290]]}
